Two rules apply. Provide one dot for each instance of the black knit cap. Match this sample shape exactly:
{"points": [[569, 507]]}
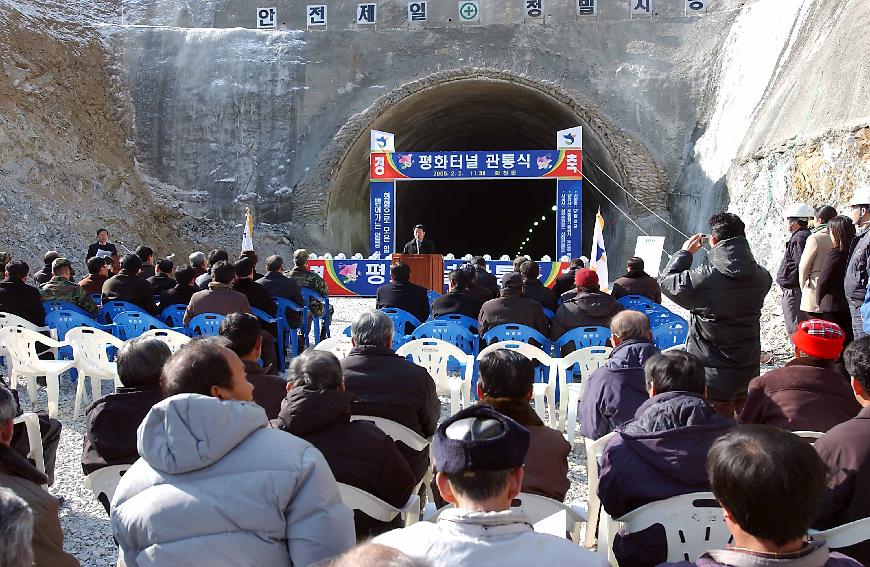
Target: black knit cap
{"points": [[479, 438]]}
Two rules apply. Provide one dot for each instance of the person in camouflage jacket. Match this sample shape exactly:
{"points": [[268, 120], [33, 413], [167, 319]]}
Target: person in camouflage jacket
{"points": [[309, 279], [61, 288]]}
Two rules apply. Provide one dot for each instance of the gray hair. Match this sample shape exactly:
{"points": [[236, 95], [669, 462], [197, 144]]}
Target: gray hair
{"points": [[374, 555], [317, 369], [8, 407], [197, 259], [141, 360], [16, 530], [372, 328], [630, 324]]}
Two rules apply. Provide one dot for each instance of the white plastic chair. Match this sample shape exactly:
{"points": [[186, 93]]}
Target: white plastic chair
{"points": [[398, 432], [339, 346], [433, 355], [34, 438], [589, 359], [10, 320], [92, 361], [105, 480], [594, 451], [173, 339], [810, 436], [693, 524], [372, 506], [540, 391], [846, 535], [21, 344]]}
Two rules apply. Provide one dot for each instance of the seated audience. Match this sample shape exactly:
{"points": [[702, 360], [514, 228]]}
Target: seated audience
{"points": [[279, 285], [127, 286], [375, 555], [845, 450], [471, 287], [146, 255], [111, 421], [258, 296], [16, 531], [215, 256], [483, 280], [637, 282], [18, 298], [318, 410], [660, 453], [808, 393], [512, 307], [518, 262], [22, 478], [457, 300], [310, 280], [769, 483], [252, 256], [479, 454], [588, 307], [46, 273], [388, 386], [183, 290], [245, 337], [534, 289], [616, 389], [402, 294], [61, 288], [98, 273], [162, 280], [199, 263], [505, 383], [217, 486], [219, 298], [565, 282]]}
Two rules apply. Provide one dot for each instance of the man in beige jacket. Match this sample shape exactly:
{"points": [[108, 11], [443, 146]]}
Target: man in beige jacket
{"points": [[813, 258]]}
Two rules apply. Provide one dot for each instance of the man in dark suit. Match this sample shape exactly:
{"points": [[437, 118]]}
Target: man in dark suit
{"points": [[565, 282], [419, 245], [534, 289], [162, 280], [512, 307], [183, 290], [18, 298], [482, 278], [279, 285], [402, 294], [457, 300], [128, 286]]}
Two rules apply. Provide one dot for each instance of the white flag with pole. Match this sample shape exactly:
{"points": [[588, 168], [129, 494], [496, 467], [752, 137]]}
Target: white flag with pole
{"points": [[598, 256], [248, 238]]}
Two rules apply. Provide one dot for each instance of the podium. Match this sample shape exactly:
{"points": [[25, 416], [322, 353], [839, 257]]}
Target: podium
{"points": [[427, 270]]}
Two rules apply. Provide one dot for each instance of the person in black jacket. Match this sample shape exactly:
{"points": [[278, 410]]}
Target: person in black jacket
{"points": [[183, 290], [636, 281], [162, 280], [279, 285], [419, 245], [45, 274], [534, 289], [18, 298], [483, 279], [402, 294], [388, 386], [830, 294], [111, 421], [855, 280], [318, 409], [128, 286], [565, 282], [258, 296], [457, 300], [797, 216], [146, 254], [102, 247], [724, 297]]}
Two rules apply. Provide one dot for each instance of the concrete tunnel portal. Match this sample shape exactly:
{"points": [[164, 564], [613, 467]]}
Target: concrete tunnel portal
{"points": [[476, 217]]}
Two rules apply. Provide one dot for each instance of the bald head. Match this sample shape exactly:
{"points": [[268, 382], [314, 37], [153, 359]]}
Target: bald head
{"points": [[376, 555], [630, 324]]}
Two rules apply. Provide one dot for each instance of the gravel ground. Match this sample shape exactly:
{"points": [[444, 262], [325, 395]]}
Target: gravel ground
{"points": [[88, 534]]}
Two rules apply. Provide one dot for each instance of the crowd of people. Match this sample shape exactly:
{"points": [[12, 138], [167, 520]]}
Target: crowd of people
{"points": [[233, 462]]}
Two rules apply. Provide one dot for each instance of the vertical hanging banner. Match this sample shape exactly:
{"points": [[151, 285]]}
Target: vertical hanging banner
{"points": [[569, 197], [382, 217]]}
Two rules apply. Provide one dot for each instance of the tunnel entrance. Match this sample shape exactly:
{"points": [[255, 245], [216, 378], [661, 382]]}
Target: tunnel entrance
{"points": [[476, 217]]}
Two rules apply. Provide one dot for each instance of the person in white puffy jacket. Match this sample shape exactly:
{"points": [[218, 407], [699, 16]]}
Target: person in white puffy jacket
{"points": [[215, 486]]}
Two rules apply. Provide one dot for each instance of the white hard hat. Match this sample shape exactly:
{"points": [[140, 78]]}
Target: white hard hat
{"points": [[861, 196], [798, 211]]}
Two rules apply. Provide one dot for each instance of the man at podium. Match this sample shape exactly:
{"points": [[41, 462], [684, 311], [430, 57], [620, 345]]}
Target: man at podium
{"points": [[419, 245]]}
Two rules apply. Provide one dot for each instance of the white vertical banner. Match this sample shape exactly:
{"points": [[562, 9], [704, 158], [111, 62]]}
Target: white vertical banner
{"points": [[316, 15], [248, 236], [383, 141], [570, 138], [598, 255], [640, 7], [696, 6], [649, 249]]}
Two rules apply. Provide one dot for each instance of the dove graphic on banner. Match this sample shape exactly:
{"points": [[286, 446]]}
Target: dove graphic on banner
{"points": [[383, 141], [570, 139], [248, 237], [598, 256]]}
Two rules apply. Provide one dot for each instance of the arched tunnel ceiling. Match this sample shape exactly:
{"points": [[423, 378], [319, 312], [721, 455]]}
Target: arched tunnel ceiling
{"points": [[470, 114]]}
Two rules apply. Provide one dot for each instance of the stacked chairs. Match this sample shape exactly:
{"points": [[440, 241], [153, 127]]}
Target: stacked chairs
{"points": [[206, 324], [434, 355], [131, 324], [402, 320], [21, 346], [317, 321], [173, 315], [461, 320], [93, 360], [112, 308], [173, 339]]}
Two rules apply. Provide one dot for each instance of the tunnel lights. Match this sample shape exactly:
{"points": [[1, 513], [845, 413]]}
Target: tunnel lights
{"points": [[536, 223], [543, 218], [553, 208], [530, 230]]}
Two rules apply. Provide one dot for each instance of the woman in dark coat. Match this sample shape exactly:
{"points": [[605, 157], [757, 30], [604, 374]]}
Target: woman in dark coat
{"points": [[829, 289]]}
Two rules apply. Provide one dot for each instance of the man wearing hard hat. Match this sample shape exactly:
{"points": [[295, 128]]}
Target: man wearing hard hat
{"points": [[855, 283], [798, 216]]}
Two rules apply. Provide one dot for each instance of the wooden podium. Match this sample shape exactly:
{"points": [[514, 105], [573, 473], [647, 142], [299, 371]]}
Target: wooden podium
{"points": [[427, 270]]}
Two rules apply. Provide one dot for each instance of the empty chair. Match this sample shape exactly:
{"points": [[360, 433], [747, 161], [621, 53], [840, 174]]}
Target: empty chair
{"points": [[104, 482], [21, 344], [515, 332], [372, 506], [434, 355], [57, 305], [448, 331], [581, 337], [173, 339], [93, 360], [173, 315], [206, 324], [131, 324], [594, 452], [34, 438], [670, 334], [463, 320], [111, 308], [588, 359], [339, 346], [64, 320]]}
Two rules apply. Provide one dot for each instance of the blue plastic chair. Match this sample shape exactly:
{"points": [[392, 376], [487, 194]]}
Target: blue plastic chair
{"points": [[516, 332], [462, 320], [450, 332], [348, 331], [432, 295], [401, 321], [96, 298], [57, 305], [205, 324], [317, 321], [173, 315], [581, 337], [280, 345], [548, 313], [292, 333], [113, 307], [63, 320], [629, 301], [670, 334], [662, 318], [131, 324]]}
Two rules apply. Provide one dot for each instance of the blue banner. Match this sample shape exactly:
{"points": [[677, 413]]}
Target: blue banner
{"points": [[382, 217], [517, 164], [569, 218]]}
